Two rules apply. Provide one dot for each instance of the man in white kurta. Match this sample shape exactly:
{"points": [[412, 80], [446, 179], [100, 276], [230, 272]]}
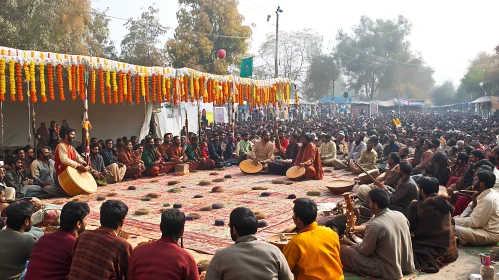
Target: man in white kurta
{"points": [[327, 151], [481, 226]]}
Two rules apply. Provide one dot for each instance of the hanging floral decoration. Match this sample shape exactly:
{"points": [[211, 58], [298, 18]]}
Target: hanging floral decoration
{"points": [[41, 67], [32, 82], [19, 78], [122, 81], [12, 80]]}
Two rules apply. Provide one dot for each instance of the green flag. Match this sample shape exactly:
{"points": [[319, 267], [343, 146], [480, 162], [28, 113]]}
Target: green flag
{"points": [[247, 67]]}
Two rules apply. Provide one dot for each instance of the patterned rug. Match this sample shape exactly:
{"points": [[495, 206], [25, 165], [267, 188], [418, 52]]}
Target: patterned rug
{"points": [[202, 235]]}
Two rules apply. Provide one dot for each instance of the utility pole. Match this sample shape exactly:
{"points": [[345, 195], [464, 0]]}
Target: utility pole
{"points": [[276, 75]]}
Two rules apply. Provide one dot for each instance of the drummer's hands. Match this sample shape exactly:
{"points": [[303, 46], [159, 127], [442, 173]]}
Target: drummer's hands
{"points": [[82, 168], [344, 240], [301, 164], [255, 161]]}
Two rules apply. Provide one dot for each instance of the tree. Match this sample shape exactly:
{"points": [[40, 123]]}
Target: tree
{"points": [[444, 94], [98, 41], [204, 27], [49, 25], [296, 50], [484, 68], [140, 45], [377, 58], [322, 76]]}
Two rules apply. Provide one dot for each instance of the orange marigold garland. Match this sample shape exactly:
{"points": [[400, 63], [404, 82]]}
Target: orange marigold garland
{"points": [[3, 86], [175, 93], [108, 86], [92, 86], [81, 68], [19, 77], [191, 87], [186, 89], [153, 89], [137, 89], [50, 76], [12, 79], [125, 86], [130, 90], [120, 86], [158, 88], [101, 86], [146, 80], [60, 82], [73, 82], [32, 81], [41, 67], [78, 79]]}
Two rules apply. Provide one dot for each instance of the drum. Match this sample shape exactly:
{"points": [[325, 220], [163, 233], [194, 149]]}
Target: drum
{"points": [[280, 240], [75, 183], [295, 172], [340, 186], [364, 179], [249, 167]]}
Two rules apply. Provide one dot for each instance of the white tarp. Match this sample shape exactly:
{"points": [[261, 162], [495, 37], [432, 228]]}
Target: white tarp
{"points": [[108, 120]]}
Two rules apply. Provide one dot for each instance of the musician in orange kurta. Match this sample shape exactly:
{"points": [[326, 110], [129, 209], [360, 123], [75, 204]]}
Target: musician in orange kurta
{"points": [[177, 155], [308, 157], [66, 155], [134, 166]]}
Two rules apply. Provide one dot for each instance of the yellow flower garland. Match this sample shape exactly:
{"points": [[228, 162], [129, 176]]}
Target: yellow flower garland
{"points": [[70, 84], [125, 87], [33, 81], [12, 71], [142, 86], [3, 86], [115, 84], [192, 88], [41, 66]]}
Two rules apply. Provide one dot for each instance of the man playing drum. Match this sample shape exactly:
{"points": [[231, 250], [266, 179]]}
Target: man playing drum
{"points": [[263, 150], [308, 157]]}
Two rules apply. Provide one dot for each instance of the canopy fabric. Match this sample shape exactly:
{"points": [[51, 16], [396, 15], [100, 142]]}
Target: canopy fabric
{"points": [[108, 121]]}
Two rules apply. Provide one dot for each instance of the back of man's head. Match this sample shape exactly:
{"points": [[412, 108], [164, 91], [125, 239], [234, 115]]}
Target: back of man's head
{"points": [[244, 221], [172, 224], [17, 213], [429, 185], [112, 213], [72, 213], [380, 197], [306, 210], [405, 168]]}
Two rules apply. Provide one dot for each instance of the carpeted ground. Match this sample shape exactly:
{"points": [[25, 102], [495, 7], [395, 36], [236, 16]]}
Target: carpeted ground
{"points": [[202, 235]]}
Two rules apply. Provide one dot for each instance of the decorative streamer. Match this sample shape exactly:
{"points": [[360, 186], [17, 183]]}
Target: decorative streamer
{"points": [[60, 82], [32, 81], [41, 67], [19, 77]]}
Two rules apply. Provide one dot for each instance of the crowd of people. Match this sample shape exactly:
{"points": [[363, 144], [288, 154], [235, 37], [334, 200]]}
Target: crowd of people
{"points": [[435, 188]]}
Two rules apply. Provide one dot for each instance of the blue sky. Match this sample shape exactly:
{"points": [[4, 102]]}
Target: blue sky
{"points": [[447, 33]]}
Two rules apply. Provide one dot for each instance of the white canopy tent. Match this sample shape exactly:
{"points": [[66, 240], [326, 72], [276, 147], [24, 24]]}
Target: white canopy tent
{"points": [[108, 120]]}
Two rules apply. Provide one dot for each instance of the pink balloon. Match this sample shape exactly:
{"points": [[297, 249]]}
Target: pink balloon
{"points": [[221, 53]]}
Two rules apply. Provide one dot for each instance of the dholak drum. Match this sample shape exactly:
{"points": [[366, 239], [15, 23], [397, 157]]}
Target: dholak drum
{"points": [[364, 179], [280, 240], [75, 183], [295, 172], [249, 167]]}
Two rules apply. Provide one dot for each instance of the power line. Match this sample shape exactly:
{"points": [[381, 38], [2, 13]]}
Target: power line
{"points": [[398, 62]]}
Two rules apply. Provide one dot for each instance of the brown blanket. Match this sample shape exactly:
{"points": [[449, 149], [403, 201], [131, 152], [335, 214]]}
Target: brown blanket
{"points": [[433, 240]]}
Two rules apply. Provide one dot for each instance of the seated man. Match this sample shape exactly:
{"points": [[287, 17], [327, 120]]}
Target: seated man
{"points": [[101, 253], [248, 258], [163, 147], [480, 226], [9, 193], [24, 187], [367, 159], [116, 170], [134, 165], [391, 147], [177, 155], [148, 260], [16, 246], [433, 240], [402, 195], [342, 146], [243, 147], [98, 171], [309, 158], [313, 246], [52, 253], [43, 171], [357, 146], [263, 150], [280, 168], [153, 161], [327, 151], [425, 158], [390, 178], [215, 151], [195, 154], [376, 256]]}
